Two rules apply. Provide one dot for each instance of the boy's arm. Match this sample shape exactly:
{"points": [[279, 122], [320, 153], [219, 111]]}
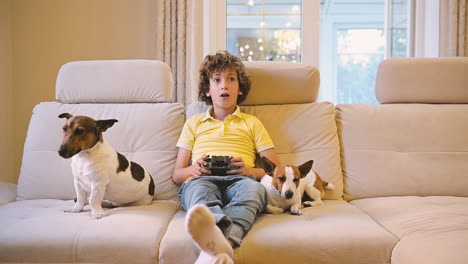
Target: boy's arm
{"points": [[271, 155], [182, 170]]}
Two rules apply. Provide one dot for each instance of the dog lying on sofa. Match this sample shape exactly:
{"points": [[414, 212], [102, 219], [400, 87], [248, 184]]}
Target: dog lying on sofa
{"points": [[291, 187]]}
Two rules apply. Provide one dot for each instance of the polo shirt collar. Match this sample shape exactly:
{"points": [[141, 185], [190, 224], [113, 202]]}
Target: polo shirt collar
{"points": [[209, 112]]}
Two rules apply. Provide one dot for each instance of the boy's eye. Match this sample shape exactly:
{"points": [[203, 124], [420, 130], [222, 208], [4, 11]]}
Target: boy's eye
{"points": [[215, 80], [232, 79]]}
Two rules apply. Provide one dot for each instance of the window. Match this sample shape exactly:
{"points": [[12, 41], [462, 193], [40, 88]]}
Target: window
{"points": [[345, 39], [264, 29], [351, 48]]}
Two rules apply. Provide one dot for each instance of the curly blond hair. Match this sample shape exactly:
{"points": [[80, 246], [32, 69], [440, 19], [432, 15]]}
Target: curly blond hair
{"points": [[217, 63]]}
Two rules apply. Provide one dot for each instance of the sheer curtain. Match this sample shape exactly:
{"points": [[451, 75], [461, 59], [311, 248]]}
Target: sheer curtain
{"points": [[453, 28], [180, 44]]}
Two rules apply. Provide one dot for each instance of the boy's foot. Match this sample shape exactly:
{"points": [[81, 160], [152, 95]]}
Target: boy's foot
{"points": [[201, 225]]}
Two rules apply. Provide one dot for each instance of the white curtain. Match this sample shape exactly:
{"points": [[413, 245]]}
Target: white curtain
{"points": [[180, 44], [453, 28]]}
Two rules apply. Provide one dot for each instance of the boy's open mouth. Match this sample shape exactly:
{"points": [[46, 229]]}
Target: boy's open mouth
{"points": [[224, 95]]}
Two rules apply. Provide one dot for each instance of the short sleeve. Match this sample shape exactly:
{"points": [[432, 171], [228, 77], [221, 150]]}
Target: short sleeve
{"points": [[261, 137], [187, 136]]}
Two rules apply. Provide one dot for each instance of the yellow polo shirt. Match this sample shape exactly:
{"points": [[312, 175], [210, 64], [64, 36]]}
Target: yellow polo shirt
{"points": [[239, 135]]}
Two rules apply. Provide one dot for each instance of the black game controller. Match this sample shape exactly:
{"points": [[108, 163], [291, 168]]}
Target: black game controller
{"points": [[219, 165]]}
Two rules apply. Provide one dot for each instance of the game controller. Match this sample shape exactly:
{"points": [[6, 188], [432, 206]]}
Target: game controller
{"points": [[219, 165]]}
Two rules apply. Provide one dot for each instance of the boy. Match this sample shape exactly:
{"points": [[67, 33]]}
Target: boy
{"points": [[221, 209]]}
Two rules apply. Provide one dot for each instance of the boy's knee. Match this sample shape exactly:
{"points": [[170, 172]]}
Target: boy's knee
{"points": [[259, 193], [260, 189]]}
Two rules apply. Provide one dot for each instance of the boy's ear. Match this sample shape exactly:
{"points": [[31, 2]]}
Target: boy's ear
{"points": [[240, 92]]}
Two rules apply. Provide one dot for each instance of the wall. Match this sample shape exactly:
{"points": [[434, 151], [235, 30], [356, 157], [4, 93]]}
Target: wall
{"points": [[48, 33], [7, 166]]}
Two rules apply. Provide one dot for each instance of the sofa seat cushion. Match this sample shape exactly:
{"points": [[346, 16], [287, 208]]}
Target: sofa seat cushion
{"points": [[403, 150], [176, 245], [144, 133], [300, 132], [335, 233], [431, 229], [40, 231]]}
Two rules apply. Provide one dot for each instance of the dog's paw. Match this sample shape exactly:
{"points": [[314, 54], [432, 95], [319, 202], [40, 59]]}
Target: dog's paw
{"points": [[313, 203], [74, 210], [98, 214], [295, 211], [274, 209]]}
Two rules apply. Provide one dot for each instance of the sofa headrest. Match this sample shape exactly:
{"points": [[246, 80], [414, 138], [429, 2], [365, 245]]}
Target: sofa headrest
{"points": [[423, 80], [278, 82], [114, 81]]}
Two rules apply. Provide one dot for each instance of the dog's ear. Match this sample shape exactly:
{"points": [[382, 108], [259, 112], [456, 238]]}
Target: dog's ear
{"points": [[103, 125], [268, 166], [65, 115], [305, 168]]}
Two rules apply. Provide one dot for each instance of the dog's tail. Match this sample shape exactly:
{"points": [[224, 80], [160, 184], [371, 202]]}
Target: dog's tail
{"points": [[328, 185]]}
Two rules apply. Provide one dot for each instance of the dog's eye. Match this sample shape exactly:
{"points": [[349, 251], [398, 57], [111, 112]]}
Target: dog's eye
{"points": [[282, 179], [79, 131], [295, 180], [64, 129]]}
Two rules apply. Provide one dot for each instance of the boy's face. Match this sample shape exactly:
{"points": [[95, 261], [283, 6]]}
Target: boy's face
{"points": [[224, 89]]}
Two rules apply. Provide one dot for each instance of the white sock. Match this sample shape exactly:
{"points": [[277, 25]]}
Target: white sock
{"points": [[201, 225]]}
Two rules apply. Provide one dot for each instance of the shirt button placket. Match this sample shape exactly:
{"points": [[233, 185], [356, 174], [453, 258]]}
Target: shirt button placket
{"points": [[221, 129]]}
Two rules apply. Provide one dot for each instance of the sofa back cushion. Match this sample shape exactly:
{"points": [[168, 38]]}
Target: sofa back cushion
{"points": [[403, 149], [281, 82], [114, 81], [423, 80], [300, 132]]}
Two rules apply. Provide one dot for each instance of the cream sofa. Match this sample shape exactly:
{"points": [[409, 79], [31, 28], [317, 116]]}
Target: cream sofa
{"points": [[400, 168]]}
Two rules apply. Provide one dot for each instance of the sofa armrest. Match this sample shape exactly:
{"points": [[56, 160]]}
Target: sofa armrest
{"points": [[7, 192]]}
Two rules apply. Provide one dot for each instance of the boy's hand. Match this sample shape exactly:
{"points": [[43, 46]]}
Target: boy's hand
{"points": [[242, 170], [197, 170]]}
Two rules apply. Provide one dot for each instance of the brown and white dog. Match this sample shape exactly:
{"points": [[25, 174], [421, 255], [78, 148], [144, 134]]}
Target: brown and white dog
{"points": [[100, 173], [287, 187]]}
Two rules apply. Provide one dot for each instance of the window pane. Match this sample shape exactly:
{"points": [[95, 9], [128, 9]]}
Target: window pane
{"points": [[351, 48], [399, 28], [359, 53], [264, 29]]}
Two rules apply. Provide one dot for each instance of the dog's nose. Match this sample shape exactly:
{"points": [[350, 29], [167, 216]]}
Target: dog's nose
{"points": [[288, 194], [63, 152]]}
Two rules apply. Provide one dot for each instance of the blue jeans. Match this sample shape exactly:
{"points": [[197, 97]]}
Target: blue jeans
{"points": [[234, 200]]}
